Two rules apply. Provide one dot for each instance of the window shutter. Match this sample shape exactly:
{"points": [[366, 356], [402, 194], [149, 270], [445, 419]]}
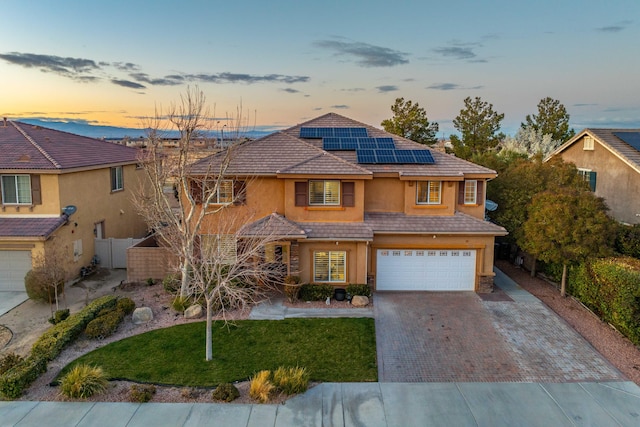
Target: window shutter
{"points": [[301, 193], [479, 192], [592, 180], [36, 192], [348, 194], [196, 191], [239, 193], [461, 193]]}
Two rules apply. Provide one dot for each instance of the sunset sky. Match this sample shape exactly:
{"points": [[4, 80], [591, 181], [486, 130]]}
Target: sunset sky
{"points": [[113, 62]]}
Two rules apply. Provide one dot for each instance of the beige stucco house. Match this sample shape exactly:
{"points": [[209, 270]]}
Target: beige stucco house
{"points": [[64, 190], [609, 159], [354, 204]]}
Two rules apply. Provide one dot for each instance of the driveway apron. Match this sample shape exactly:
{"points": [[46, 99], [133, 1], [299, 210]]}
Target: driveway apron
{"points": [[458, 337]]}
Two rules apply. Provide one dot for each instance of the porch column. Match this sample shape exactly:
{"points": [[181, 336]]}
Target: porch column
{"points": [[294, 258]]}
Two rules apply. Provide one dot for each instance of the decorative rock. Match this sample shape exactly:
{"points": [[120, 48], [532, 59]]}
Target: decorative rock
{"points": [[193, 312], [142, 315], [359, 301]]}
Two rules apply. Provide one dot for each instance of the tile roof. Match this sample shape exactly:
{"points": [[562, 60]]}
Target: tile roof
{"points": [[275, 225], [285, 152], [29, 226], [337, 230], [628, 153], [28, 147], [392, 222]]}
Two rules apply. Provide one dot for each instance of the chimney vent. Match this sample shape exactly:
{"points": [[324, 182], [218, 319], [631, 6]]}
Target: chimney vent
{"points": [[5, 122]]}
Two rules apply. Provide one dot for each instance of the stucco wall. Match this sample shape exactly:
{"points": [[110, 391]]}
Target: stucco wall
{"points": [[356, 260]]}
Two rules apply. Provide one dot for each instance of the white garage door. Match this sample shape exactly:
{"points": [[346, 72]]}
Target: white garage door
{"points": [[425, 270], [13, 267]]}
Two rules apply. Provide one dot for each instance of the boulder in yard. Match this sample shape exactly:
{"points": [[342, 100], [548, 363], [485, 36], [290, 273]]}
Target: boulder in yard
{"points": [[142, 315], [193, 312], [359, 301]]}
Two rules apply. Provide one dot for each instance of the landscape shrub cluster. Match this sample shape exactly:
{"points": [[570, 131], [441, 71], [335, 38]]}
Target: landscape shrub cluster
{"points": [[315, 292], [225, 392], [359, 289], [59, 316], [108, 320], [83, 381], [141, 393], [627, 241], [610, 287], [48, 347], [39, 289], [288, 380]]}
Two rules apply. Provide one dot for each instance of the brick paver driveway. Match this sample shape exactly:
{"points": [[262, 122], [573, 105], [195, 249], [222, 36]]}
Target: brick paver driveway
{"points": [[458, 337]]}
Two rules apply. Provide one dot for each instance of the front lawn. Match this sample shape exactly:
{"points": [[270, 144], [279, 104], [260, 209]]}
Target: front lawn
{"points": [[332, 350]]}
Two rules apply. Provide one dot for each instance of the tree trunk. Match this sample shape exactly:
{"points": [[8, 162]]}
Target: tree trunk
{"points": [[209, 345], [184, 270], [533, 266], [563, 283]]}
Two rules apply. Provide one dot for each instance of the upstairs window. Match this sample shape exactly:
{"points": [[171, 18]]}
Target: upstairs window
{"points": [[589, 176], [429, 192], [117, 183], [16, 189], [324, 193], [588, 143], [221, 248], [470, 192]]}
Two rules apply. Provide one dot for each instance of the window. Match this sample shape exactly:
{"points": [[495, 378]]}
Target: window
{"points": [[16, 189], [220, 247], [324, 193], [224, 192], [330, 266], [428, 192], [470, 192], [588, 143], [116, 179], [589, 176]]}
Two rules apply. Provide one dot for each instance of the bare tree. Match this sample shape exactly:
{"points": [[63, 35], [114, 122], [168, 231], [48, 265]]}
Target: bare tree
{"points": [[49, 267], [221, 257]]}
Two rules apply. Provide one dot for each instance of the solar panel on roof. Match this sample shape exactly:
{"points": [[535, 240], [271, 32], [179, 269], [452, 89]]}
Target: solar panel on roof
{"points": [[385, 143], [405, 156], [348, 143], [308, 133], [313, 132], [385, 155], [366, 156], [359, 132], [423, 156], [367, 143], [342, 132], [330, 145], [631, 138]]}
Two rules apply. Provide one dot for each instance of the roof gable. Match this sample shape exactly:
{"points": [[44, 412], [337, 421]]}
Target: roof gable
{"points": [[29, 147], [608, 139]]}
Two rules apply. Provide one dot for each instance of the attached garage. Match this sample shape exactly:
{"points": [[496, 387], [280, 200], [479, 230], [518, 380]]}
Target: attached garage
{"points": [[14, 265], [425, 270]]}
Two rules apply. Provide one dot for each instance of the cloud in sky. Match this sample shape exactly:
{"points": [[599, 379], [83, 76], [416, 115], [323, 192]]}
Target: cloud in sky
{"points": [[340, 107], [460, 51], [386, 88], [366, 55], [67, 67], [451, 86], [290, 90], [616, 28], [87, 70]]}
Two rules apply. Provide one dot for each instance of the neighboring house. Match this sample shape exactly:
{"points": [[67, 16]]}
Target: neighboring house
{"points": [[609, 160], [355, 204], [63, 190]]}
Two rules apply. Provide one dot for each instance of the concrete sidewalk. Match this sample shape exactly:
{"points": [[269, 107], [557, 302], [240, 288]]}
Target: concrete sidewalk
{"points": [[276, 310], [366, 404]]}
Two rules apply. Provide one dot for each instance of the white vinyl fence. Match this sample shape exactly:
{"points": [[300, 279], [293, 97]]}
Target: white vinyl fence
{"points": [[113, 252]]}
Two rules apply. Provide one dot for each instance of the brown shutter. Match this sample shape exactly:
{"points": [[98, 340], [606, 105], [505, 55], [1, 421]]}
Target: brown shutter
{"points": [[461, 193], [36, 192], [348, 194], [239, 193], [301, 193], [479, 192], [196, 191]]}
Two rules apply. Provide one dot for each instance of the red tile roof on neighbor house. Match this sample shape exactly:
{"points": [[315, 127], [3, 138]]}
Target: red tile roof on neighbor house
{"points": [[29, 147], [286, 153], [25, 227]]}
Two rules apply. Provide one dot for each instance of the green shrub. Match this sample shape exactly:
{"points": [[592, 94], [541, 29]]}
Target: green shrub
{"points": [[180, 304], [553, 271], [628, 240], [57, 337], [292, 280], [38, 288], [150, 282], [225, 392], [359, 289], [291, 380], [83, 381], [291, 291], [16, 379], [141, 393], [315, 292], [126, 305], [171, 283], [8, 361], [105, 325], [59, 316]]}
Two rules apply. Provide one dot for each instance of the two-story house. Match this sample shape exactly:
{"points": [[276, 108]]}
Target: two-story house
{"points": [[63, 190], [355, 204], [609, 160]]}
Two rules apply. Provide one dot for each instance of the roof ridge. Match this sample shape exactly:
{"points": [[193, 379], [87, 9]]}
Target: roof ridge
{"points": [[35, 144]]}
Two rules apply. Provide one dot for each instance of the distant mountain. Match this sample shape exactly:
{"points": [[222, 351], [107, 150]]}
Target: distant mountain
{"points": [[113, 132]]}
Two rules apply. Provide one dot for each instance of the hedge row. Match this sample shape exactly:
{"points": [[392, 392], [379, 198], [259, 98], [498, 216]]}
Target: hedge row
{"points": [[320, 292], [611, 288], [48, 347]]}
